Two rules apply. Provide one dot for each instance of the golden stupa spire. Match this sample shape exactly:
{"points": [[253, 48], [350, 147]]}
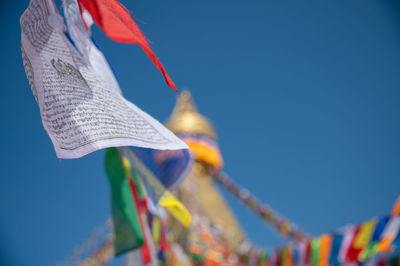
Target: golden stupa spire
{"points": [[208, 161], [186, 120]]}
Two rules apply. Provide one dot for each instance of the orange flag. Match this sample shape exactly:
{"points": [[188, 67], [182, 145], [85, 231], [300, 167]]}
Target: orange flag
{"points": [[325, 243], [396, 208]]}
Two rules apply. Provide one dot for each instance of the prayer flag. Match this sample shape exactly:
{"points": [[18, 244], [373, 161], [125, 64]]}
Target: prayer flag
{"points": [[169, 166], [115, 21], [277, 257], [379, 228], [127, 228], [175, 207], [371, 249], [82, 40], [296, 254], [364, 237], [347, 239], [396, 242], [165, 198], [353, 252], [336, 243], [324, 250], [396, 208], [315, 245], [308, 252], [287, 258], [302, 250], [81, 111], [389, 234]]}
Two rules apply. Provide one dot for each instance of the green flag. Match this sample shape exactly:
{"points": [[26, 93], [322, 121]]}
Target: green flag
{"points": [[127, 229], [315, 244]]}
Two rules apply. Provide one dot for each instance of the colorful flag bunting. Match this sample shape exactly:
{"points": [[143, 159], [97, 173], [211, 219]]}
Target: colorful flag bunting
{"points": [[282, 225], [372, 247], [165, 198], [389, 234], [139, 196], [170, 166]]}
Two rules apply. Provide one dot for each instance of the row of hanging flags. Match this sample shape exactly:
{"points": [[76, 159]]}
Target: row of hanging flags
{"points": [[354, 243], [265, 212], [145, 232], [374, 242], [366, 243]]}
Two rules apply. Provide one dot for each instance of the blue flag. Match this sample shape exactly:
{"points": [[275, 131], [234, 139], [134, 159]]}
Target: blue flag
{"points": [[336, 243], [169, 166]]}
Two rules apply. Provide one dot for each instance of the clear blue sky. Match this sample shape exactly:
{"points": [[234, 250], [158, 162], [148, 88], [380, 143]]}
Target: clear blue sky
{"points": [[305, 96]]}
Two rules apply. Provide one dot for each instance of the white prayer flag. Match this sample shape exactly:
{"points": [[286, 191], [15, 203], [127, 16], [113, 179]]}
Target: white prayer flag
{"points": [[81, 111]]}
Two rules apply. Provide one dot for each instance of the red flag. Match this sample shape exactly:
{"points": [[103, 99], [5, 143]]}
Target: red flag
{"points": [[308, 252], [278, 257], [353, 252], [115, 21], [146, 257]]}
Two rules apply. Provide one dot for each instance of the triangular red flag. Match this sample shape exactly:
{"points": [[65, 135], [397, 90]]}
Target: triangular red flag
{"points": [[115, 21]]}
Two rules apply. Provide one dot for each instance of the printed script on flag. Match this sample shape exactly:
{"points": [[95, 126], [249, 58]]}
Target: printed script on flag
{"points": [[80, 110]]}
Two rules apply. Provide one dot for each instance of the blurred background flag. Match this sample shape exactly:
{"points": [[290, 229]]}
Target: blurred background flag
{"points": [[169, 166], [127, 227]]}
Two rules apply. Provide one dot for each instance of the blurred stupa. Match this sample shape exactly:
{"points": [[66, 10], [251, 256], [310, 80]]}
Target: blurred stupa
{"points": [[186, 120], [198, 191]]}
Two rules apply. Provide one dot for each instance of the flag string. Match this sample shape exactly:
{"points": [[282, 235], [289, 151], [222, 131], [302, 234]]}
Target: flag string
{"points": [[271, 217]]}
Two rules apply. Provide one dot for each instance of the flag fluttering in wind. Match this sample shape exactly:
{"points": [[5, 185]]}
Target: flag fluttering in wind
{"points": [[82, 109], [126, 219], [160, 193], [169, 166], [115, 21]]}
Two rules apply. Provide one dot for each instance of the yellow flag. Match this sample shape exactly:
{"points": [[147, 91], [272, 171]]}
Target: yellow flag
{"points": [[364, 236], [166, 198], [175, 207], [126, 164], [156, 229]]}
